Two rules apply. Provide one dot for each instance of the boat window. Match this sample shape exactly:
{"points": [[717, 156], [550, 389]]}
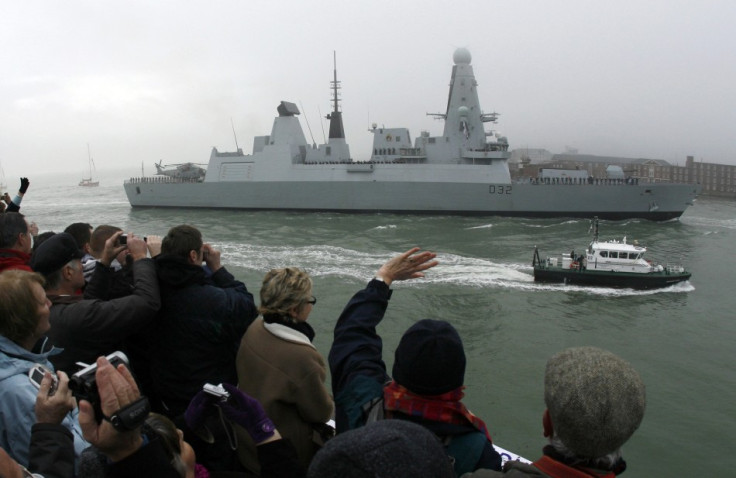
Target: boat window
{"points": [[614, 255], [604, 253], [623, 255]]}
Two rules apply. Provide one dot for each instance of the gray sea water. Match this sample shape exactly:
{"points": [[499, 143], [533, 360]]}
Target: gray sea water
{"points": [[681, 339]]}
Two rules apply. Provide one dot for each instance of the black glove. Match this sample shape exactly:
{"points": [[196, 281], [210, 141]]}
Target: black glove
{"points": [[24, 183]]}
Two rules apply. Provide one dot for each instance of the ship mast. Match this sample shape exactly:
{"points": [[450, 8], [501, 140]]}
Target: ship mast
{"points": [[336, 128]]}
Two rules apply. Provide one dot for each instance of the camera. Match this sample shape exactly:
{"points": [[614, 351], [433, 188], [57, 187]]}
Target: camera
{"points": [[83, 384], [123, 239], [35, 375], [217, 390]]}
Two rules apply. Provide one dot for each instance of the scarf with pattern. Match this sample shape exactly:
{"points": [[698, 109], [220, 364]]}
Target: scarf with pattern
{"points": [[445, 408]]}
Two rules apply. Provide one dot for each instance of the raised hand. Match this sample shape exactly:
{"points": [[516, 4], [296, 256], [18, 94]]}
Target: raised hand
{"points": [[409, 265]]}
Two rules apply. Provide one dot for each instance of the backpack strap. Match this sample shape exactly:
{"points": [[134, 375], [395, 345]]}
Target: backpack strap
{"points": [[373, 410]]}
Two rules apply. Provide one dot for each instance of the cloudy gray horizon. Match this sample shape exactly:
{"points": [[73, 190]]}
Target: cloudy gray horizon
{"points": [[142, 82]]}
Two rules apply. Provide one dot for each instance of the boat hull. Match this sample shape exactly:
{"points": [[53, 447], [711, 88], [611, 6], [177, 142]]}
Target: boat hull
{"points": [[370, 193], [631, 280]]}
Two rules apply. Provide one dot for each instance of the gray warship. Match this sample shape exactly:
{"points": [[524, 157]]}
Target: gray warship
{"points": [[463, 172]]}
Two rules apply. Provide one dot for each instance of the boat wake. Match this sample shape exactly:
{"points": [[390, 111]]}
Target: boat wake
{"points": [[327, 260]]}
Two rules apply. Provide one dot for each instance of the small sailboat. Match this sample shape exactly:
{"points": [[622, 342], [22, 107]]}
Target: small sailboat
{"points": [[87, 182]]}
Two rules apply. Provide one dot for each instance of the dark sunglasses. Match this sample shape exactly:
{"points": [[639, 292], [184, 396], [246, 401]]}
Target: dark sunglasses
{"points": [[312, 301]]}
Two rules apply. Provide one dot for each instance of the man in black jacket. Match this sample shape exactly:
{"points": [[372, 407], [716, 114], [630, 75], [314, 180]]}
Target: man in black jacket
{"points": [[204, 313], [89, 326]]}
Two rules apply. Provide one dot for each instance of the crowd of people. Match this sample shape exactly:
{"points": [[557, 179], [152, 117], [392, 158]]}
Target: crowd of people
{"points": [[152, 359]]}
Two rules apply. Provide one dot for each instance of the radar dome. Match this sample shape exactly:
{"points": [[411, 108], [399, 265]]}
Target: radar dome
{"points": [[461, 56], [463, 111]]}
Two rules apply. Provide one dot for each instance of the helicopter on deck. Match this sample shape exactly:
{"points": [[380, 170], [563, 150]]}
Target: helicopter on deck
{"points": [[191, 171]]}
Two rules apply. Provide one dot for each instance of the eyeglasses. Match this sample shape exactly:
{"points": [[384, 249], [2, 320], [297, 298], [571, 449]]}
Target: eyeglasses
{"points": [[312, 301]]}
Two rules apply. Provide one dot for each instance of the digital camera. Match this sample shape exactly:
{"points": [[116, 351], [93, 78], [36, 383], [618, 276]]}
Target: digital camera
{"points": [[83, 384], [123, 239], [217, 390]]}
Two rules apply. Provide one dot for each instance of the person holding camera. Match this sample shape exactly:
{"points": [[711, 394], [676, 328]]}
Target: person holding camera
{"points": [[89, 326], [204, 313], [25, 313], [116, 430]]}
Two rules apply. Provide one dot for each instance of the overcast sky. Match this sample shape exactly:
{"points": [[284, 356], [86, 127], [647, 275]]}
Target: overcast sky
{"points": [[148, 80]]}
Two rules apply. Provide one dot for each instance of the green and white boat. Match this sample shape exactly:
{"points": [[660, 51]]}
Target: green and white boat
{"points": [[610, 264]]}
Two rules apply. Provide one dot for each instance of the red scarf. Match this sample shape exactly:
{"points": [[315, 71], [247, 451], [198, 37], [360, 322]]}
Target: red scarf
{"points": [[555, 468], [445, 408]]}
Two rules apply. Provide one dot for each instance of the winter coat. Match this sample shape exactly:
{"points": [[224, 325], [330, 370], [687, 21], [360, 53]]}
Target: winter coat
{"points": [[199, 327], [51, 451], [280, 367], [18, 400], [88, 328]]}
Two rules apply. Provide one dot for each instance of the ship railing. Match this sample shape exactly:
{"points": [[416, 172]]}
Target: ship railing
{"points": [[162, 180], [674, 268], [582, 181], [492, 147]]}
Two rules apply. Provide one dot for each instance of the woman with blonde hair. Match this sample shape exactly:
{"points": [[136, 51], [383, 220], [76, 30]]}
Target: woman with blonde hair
{"points": [[278, 365]]}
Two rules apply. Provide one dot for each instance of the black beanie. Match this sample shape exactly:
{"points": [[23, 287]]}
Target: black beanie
{"points": [[386, 448], [430, 359]]}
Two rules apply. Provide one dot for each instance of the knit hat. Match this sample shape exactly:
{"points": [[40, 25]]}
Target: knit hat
{"points": [[53, 253], [386, 448], [430, 359], [595, 399]]}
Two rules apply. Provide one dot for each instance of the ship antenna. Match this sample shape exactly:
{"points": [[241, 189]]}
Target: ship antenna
{"points": [[308, 127], [324, 138], [237, 148], [336, 129]]}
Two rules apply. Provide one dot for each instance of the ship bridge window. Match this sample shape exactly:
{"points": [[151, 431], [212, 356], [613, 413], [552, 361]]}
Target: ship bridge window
{"points": [[623, 255], [613, 255], [604, 253]]}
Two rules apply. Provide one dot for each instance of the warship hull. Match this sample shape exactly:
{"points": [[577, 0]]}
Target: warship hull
{"points": [[463, 171], [614, 202]]}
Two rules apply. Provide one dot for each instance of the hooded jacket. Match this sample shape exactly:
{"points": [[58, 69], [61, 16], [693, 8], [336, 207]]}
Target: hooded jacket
{"points": [[18, 399]]}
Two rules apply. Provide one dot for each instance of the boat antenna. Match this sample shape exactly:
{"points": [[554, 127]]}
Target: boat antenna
{"points": [[594, 226], [237, 148], [308, 127]]}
